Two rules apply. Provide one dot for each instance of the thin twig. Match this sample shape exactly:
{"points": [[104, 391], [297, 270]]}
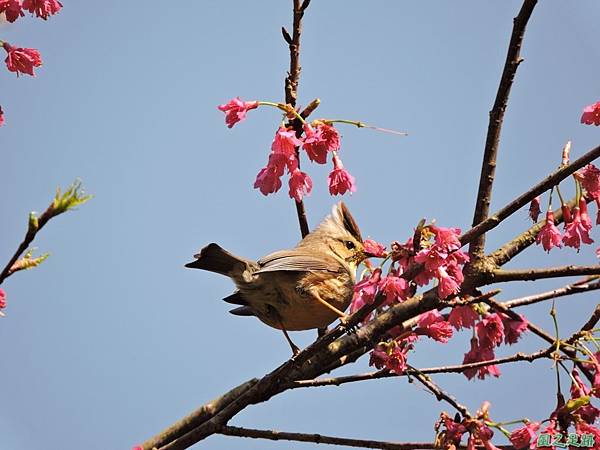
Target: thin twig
{"points": [[488, 168], [570, 289], [324, 439], [502, 276], [439, 393]]}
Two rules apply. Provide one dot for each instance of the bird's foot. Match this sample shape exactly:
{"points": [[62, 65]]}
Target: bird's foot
{"points": [[345, 324]]}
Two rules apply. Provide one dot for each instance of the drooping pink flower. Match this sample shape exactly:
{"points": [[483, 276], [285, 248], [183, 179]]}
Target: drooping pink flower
{"points": [[490, 331], [374, 248], [433, 325], [462, 316], [576, 232], [549, 236], [513, 329], [365, 289], [12, 9], [235, 110], [2, 299], [300, 185], [285, 142], [479, 354], [22, 60], [268, 179], [525, 437], [1, 116], [42, 8], [448, 284], [453, 433], [394, 288], [534, 209], [315, 144], [589, 177], [330, 136], [591, 114], [340, 181], [585, 216]]}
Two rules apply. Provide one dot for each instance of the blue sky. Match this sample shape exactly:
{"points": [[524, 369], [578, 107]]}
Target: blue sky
{"points": [[112, 339]]}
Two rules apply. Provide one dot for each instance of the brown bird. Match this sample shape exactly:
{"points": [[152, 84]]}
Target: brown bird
{"points": [[306, 287]]}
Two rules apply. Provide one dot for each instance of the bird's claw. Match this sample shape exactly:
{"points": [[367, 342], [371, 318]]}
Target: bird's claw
{"points": [[345, 325]]}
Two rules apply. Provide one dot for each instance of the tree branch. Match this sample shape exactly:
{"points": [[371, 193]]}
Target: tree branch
{"points": [[570, 289], [488, 168], [502, 276], [438, 392], [323, 439], [545, 185]]}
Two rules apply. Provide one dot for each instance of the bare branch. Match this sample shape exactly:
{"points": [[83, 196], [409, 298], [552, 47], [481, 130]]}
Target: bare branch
{"points": [[488, 168], [321, 439], [438, 392], [502, 276], [570, 289]]}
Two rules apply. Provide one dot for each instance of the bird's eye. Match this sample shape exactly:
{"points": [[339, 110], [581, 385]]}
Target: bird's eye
{"points": [[350, 245]]}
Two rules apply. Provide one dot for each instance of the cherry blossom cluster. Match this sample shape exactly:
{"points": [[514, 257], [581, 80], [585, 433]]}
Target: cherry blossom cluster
{"points": [[577, 413], [577, 221], [20, 59], [318, 140], [2, 300], [450, 431], [439, 258]]}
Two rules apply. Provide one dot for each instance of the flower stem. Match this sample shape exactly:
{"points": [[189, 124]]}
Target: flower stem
{"points": [[359, 124]]}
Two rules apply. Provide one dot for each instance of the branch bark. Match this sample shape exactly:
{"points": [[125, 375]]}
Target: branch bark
{"points": [[488, 168]]}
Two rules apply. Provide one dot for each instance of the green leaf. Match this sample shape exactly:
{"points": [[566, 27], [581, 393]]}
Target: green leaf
{"points": [[71, 198], [28, 261]]}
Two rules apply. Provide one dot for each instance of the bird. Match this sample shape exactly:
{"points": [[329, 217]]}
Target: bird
{"points": [[306, 287]]}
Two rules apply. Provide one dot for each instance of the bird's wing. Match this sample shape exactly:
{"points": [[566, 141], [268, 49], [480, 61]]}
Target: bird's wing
{"points": [[295, 261]]}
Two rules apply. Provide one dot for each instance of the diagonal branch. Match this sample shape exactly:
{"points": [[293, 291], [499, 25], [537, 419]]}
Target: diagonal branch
{"points": [[545, 185], [438, 392], [488, 168], [570, 289]]}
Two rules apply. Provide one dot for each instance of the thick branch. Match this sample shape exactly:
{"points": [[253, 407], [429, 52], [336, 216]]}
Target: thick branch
{"points": [[502, 276], [488, 168]]}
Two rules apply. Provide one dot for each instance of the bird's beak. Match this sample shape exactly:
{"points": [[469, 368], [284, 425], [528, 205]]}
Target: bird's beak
{"points": [[369, 255]]}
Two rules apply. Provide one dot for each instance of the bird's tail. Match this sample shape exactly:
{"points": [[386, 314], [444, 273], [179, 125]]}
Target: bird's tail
{"points": [[216, 259]]}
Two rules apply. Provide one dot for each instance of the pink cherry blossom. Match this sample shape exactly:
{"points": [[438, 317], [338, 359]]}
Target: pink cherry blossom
{"points": [[433, 325], [591, 114], [589, 177], [300, 185], [285, 142], [330, 136], [22, 60], [566, 211], [549, 236], [513, 329], [462, 316], [534, 209], [374, 248], [391, 355], [447, 284], [315, 145], [576, 232], [394, 288], [340, 181], [2, 299], [432, 257], [12, 9], [235, 110], [525, 437], [268, 179], [490, 330], [42, 8], [478, 354], [447, 238], [1, 116]]}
